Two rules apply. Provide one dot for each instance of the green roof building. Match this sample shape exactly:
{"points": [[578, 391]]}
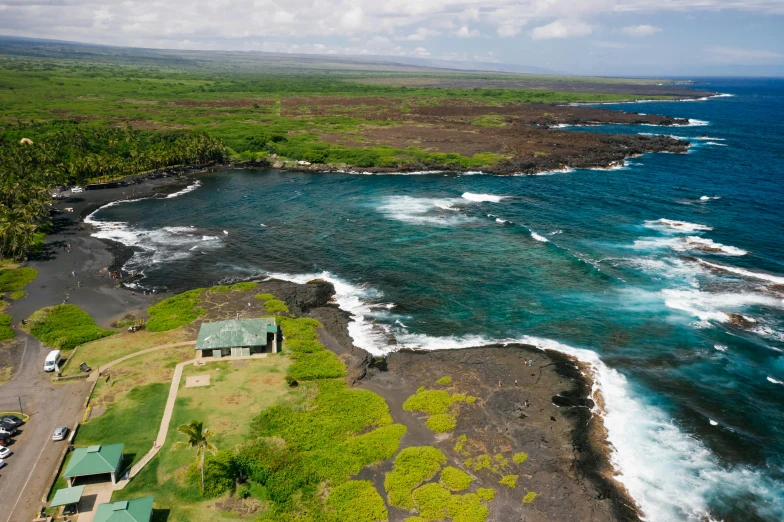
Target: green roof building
{"points": [[137, 510], [94, 460], [238, 337]]}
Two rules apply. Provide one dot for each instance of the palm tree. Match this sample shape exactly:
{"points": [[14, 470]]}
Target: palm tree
{"points": [[199, 438]]}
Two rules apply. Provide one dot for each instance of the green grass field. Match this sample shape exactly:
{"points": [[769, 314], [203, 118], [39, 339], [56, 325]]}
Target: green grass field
{"points": [[65, 326]]}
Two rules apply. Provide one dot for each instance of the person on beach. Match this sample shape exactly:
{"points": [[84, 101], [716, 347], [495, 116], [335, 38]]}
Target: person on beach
{"points": [[515, 383]]}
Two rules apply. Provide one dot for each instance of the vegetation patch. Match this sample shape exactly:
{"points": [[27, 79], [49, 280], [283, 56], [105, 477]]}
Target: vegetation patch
{"points": [[431, 402], [18, 295], [14, 279], [264, 297], [455, 479], [529, 497], [244, 286], [510, 480], [444, 380], [356, 501], [6, 332], [432, 500], [486, 494], [275, 306], [175, 311], [462, 440], [520, 457], [311, 360], [441, 423], [65, 326], [413, 466]]}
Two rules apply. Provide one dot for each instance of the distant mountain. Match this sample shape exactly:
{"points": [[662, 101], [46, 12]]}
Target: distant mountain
{"points": [[461, 65]]}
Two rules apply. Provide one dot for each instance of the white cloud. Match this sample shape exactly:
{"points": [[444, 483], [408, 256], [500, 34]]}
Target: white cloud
{"points": [[640, 30], [421, 34], [465, 32], [561, 29]]}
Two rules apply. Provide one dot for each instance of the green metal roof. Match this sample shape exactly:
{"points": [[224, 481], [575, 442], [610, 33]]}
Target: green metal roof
{"points": [[235, 333], [137, 510], [93, 460], [67, 496]]}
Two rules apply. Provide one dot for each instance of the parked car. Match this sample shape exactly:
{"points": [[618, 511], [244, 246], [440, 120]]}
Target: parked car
{"points": [[52, 362], [2, 463], [5, 439], [60, 433], [6, 428], [4, 452], [76, 189], [16, 421]]}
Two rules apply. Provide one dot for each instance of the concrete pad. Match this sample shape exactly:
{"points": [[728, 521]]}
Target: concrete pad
{"points": [[194, 381]]}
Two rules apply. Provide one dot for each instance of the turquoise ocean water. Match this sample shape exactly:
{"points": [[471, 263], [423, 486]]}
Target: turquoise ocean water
{"points": [[634, 269]]}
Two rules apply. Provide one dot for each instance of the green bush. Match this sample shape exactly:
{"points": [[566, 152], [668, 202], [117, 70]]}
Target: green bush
{"points": [[470, 399], [244, 286], [14, 279], [431, 402], [175, 311], [455, 479], [220, 289], [486, 494], [467, 508], [441, 423], [413, 466], [65, 326], [529, 497], [519, 458], [275, 305], [356, 501], [220, 473], [460, 445], [510, 480], [317, 365], [6, 332], [444, 380], [432, 500], [18, 295], [264, 297]]}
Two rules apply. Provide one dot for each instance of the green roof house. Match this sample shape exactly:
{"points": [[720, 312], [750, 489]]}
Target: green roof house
{"points": [[94, 460], [238, 338], [137, 510]]}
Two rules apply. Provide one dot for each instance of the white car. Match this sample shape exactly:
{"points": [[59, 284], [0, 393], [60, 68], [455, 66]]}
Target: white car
{"points": [[4, 452], [2, 463], [76, 189]]}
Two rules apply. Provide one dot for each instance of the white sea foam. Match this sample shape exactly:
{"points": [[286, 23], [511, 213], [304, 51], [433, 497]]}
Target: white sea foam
{"points": [[422, 211], [539, 238], [501, 221], [479, 198], [743, 272], [713, 422], [714, 306], [708, 138], [190, 188], [683, 244], [565, 170], [671, 225], [697, 123], [720, 347], [775, 381]]}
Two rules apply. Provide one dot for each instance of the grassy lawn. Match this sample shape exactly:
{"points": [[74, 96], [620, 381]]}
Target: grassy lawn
{"points": [[235, 396], [65, 326], [14, 279], [108, 349]]}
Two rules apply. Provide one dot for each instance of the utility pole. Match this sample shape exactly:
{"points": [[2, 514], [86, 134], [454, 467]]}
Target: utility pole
{"points": [[20, 403]]}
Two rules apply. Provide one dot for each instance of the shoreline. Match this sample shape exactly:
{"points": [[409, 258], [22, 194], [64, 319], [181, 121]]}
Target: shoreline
{"points": [[105, 300]]}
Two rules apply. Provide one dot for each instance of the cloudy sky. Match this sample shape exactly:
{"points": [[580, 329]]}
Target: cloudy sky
{"points": [[580, 36]]}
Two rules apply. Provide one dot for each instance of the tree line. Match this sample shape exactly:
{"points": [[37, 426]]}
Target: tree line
{"points": [[36, 157]]}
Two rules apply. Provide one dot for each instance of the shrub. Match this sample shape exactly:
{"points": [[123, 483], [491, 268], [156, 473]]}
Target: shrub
{"points": [[244, 286], [275, 305], [220, 472], [356, 501], [444, 380], [510, 480], [470, 399], [5, 327], [243, 491], [486, 494], [220, 289], [519, 458], [529, 497], [413, 466], [455, 479], [467, 508], [460, 445], [14, 279], [304, 346], [431, 402], [432, 500], [18, 295], [317, 365], [264, 297], [175, 311], [65, 326], [441, 423]]}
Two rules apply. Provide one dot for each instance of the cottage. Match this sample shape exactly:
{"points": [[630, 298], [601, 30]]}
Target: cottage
{"points": [[95, 460], [238, 338]]}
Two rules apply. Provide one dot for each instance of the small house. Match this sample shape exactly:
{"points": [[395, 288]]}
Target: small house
{"points": [[238, 338]]}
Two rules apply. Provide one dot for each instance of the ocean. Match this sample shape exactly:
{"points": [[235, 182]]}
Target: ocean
{"points": [[667, 274]]}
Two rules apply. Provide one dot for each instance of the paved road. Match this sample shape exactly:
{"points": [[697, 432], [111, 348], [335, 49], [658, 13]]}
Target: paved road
{"points": [[29, 469]]}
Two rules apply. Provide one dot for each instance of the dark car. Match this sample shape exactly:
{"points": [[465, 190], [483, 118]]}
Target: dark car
{"points": [[10, 419], [7, 427], [5, 439]]}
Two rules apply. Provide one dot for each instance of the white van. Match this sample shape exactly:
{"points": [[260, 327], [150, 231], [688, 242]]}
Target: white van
{"points": [[52, 361]]}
